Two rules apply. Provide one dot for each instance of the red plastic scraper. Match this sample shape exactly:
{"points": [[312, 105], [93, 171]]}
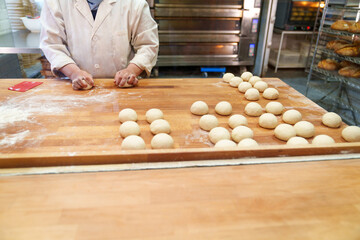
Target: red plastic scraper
{"points": [[24, 86]]}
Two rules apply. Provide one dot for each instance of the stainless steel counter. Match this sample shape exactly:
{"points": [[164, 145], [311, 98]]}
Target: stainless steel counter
{"points": [[22, 41]]}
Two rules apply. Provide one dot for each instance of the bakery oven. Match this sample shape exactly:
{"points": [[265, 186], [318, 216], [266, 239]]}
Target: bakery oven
{"points": [[296, 15], [206, 32]]}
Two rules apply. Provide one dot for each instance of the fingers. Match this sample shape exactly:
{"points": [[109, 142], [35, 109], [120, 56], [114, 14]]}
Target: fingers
{"points": [[131, 79], [89, 80]]}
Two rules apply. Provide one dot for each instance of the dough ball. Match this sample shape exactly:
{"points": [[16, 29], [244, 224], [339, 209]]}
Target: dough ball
{"points": [[248, 142], [351, 134], [332, 120], [88, 86], [129, 128], [241, 132], [161, 141], [208, 122], [160, 126], [275, 108], [218, 133], [199, 108], [252, 94], [246, 76], [223, 108], [292, 116], [268, 120], [297, 141], [154, 114], [133, 143], [237, 120], [271, 94], [304, 129], [235, 81], [323, 140], [254, 79], [284, 132], [261, 86], [244, 86], [225, 143], [253, 109], [126, 85], [127, 114], [227, 77]]}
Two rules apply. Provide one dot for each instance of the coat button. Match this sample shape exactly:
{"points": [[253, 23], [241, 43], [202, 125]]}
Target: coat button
{"points": [[97, 66]]}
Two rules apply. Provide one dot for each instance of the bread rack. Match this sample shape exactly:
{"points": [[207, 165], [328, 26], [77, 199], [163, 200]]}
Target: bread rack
{"points": [[337, 93]]}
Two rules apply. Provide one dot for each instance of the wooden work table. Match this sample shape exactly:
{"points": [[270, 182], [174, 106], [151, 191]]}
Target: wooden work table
{"points": [[62, 127], [53, 125]]}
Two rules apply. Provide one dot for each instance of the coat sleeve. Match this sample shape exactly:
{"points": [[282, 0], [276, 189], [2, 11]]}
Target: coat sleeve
{"points": [[144, 40], [53, 40]]}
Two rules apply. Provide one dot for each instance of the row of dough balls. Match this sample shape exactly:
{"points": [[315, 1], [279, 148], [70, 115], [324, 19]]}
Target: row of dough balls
{"points": [[130, 130], [252, 86]]}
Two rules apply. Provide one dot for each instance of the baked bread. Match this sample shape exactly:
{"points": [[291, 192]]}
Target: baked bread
{"points": [[337, 44], [347, 64], [354, 28], [350, 51], [350, 72], [341, 25], [328, 64]]}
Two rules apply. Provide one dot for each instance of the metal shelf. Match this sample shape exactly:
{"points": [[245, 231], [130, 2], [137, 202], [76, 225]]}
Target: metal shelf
{"points": [[333, 54], [339, 33]]}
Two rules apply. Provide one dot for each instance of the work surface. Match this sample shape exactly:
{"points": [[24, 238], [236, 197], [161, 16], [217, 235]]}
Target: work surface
{"points": [[312, 200], [55, 125]]}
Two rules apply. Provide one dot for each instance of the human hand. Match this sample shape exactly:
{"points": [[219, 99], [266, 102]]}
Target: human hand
{"points": [[128, 76], [81, 80]]}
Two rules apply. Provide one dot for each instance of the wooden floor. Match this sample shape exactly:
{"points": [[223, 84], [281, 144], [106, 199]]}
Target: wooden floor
{"points": [[314, 200]]}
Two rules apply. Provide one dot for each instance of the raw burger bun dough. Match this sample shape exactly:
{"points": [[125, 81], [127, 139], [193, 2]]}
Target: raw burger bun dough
{"points": [[225, 143], [331, 119], [268, 120], [241, 132], [323, 140], [304, 129], [223, 108], [154, 114], [219, 133], [227, 77], [88, 86], [237, 120], [351, 134], [162, 141], [199, 108], [248, 142], [292, 116], [253, 109], [127, 114], [297, 141], [261, 86], [133, 143], [254, 79], [126, 85], [235, 81], [271, 93], [246, 76], [252, 94], [284, 132], [244, 86], [208, 122], [129, 128], [160, 126], [275, 108]]}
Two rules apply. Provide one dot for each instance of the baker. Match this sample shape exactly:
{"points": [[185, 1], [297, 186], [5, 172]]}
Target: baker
{"points": [[86, 39]]}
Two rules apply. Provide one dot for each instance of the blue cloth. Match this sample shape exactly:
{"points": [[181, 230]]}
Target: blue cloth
{"points": [[94, 4]]}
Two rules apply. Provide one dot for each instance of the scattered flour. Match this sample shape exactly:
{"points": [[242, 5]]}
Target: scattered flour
{"points": [[198, 136], [12, 139]]}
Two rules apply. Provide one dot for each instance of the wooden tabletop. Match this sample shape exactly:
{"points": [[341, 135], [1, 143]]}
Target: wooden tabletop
{"points": [[312, 200], [54, 125]]}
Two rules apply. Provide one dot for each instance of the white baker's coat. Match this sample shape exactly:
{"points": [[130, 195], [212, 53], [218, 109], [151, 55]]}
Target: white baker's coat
{"points": [[123, 32]]}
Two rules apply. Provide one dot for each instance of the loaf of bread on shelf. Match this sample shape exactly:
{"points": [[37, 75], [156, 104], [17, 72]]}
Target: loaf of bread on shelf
{"points": [[328, 64], [351, 71], [354, 27], [347, 64], [350, 51], [341, 25], [337, 44]]}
